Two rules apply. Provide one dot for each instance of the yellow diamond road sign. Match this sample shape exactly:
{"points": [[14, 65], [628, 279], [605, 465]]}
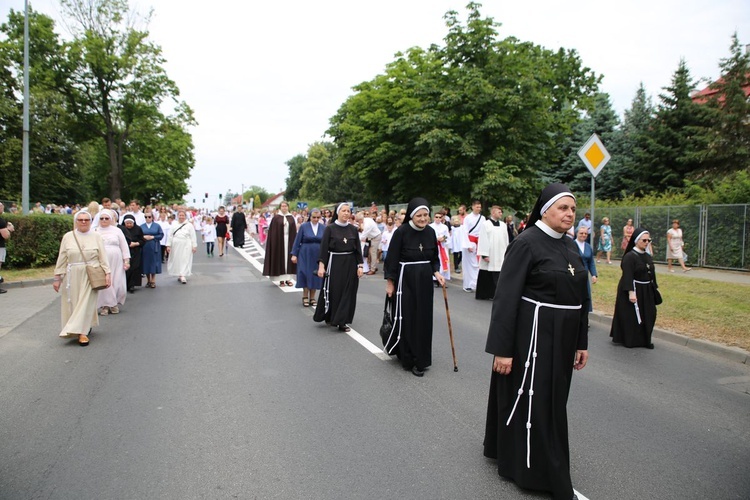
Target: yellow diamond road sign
{"points": [[594, 155]]}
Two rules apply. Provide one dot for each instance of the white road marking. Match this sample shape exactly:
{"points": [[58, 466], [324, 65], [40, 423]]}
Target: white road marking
{"points": [[252, 257], [580, 495], [256, 250]]}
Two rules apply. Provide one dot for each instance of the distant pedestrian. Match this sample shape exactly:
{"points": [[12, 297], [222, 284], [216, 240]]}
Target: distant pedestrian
{"points": [[208, 234], [278, 263], [676, 247], [221, 221], [305, 252], [637, 295], [118, 257], [181, 246], [151, 253], [136, 243], [238, 225], [5, 229]]}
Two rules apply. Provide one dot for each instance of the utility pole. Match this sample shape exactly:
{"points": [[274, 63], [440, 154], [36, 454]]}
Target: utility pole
{"points": [[25, 144]]}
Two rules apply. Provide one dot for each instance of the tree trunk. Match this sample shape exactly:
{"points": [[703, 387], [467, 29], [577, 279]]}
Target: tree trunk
{"points": [[115, 165]]}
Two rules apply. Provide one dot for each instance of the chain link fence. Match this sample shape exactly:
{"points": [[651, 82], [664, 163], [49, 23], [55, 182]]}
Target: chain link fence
{"points": [[715, 236]]}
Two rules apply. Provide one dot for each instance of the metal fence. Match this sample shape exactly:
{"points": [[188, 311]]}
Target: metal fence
{"points": [[715, 236]]}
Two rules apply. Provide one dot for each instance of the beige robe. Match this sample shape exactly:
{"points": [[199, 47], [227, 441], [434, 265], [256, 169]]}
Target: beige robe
{"points": [[78, 305], [181, 243]]}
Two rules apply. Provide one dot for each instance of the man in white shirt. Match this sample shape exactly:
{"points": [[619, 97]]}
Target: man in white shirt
{"points": [[371, 233]]}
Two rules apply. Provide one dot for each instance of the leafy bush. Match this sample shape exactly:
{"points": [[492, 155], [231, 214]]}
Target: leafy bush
{"points": [[36, 240]]}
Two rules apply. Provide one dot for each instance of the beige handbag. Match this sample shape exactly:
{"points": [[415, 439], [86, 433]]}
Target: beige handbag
{"points": [[97, 276]]}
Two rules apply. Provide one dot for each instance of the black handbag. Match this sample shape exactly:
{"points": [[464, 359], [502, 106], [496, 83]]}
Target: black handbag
{"points": [[387, 327], [657, 297]]}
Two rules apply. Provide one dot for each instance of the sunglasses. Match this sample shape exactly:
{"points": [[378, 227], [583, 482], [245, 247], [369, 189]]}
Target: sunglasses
{"points": [[85, 221], [647, 240], [148, 216], [103, 218]]}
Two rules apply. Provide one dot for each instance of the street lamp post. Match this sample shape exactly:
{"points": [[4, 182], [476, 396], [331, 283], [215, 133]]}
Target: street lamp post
{"points": [[25, 141]]}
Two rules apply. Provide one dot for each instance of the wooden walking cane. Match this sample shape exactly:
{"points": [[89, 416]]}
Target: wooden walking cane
{"points": [[450, 328]]}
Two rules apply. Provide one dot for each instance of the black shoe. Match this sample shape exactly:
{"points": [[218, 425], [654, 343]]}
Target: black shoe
{"points": [[131, 290], [3, 290], [650, 346], [416, 371]]}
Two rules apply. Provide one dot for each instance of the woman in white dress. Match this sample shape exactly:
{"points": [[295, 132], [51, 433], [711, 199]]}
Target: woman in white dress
{"points": [[181, 245], [118, 257], [78, 305], [675, 246]]}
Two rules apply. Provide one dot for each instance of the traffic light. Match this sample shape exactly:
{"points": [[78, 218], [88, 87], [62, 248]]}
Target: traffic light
{"points": [[193, 200], [206, 195]]}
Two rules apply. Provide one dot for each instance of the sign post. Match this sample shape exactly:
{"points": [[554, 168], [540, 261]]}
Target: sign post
{"points": [[595, 156]]}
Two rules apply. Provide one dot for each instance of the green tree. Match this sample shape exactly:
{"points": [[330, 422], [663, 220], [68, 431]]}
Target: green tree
{"points": [[676, 132], [54, 174], [728, 140], [116, 85], [294, 181], [478, 117], [257, 193], [603, 121]]}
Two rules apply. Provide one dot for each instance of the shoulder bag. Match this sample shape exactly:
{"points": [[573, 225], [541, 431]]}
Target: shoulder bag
{"points": [[97, 276]]}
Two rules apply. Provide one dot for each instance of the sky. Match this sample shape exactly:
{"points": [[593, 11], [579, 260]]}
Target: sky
{"points": [[264, 78]]}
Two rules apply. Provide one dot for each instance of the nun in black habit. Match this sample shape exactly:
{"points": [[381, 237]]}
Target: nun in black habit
{"points": [[412, 262], [637, 292], [134, 237], [340, 264], [538, 335]]}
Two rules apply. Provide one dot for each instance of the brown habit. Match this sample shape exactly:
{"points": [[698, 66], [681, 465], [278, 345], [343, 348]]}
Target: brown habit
{"points": [[277, 252]]}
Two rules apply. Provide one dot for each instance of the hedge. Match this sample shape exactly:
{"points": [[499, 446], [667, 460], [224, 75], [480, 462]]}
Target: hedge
{"points": [[36, 239]]}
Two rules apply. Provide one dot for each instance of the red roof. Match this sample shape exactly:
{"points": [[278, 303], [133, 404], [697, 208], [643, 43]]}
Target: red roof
{"points": [[710, 92]]}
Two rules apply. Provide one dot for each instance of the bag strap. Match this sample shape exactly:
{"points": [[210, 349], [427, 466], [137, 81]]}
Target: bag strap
{"points": [[79, 247]]}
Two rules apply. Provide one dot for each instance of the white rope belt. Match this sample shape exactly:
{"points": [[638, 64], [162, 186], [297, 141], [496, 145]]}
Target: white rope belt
{"points": [[327, 280], [397, 313], [637, 309], [531, 361]]}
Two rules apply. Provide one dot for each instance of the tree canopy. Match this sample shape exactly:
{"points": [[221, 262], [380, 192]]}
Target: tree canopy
{"points": [[106, 118]]}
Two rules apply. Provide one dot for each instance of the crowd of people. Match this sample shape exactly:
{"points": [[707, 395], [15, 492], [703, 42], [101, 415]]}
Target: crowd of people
{"points": [[537, 277]]}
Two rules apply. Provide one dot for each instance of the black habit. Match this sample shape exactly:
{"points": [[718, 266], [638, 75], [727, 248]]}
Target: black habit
{"points": [[238, 225], [548, 270], [414, 330], [133, 274], [341, 253], [637, 274], [278, 261]]}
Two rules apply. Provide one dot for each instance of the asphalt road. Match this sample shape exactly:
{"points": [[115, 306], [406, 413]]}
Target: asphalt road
{"points": [[225, 388]]}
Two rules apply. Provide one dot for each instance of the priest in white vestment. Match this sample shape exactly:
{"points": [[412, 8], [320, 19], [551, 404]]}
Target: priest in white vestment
{"points": [[493, 241], [469, 259]]}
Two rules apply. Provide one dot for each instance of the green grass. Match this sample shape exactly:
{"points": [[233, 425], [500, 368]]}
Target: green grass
{"points": [[27, 274], [699, 308]]}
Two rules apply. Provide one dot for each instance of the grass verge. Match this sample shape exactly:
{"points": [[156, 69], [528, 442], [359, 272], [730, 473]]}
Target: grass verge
{"points": [[698, 308]]}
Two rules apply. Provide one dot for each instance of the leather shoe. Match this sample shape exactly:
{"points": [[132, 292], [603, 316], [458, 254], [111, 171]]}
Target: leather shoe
{"points": [[416, 371]]}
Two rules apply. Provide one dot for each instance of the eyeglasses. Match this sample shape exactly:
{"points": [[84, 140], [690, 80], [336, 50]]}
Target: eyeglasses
{"points": [[103, 218], [148, 216], [85, 221], [646, 240]]}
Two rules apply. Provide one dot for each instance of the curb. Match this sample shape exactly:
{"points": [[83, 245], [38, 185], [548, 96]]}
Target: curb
{"points": [[27, 284], [734, 354]]}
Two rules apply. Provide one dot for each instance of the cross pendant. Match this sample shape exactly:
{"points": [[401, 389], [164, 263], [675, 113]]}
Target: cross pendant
{"points": [[572, 271], [420, 247], [344, 241]]}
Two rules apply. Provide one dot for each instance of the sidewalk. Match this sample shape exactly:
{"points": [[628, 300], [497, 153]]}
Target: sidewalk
{"points": [[26, 298]]}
